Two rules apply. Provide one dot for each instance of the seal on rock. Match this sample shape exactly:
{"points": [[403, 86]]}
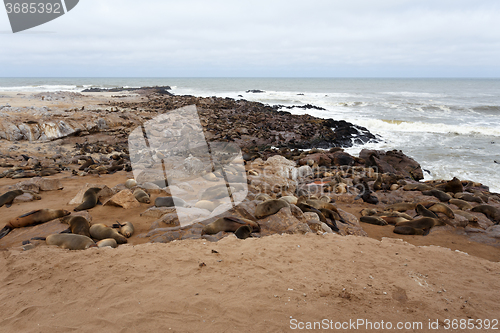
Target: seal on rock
{"points": [[263, 197], [442, 196], [442, 208], [101, 231], [33, 218], [422, 211], [89, 199], [461, 204], [468, 197], [402, 206], [130, 183], [169, 202], [491, 212], [70, 241], [269, 207], [402, 230], [7, 198]]}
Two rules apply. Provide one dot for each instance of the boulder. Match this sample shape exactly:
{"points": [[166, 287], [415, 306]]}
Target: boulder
{"points": [[392, 162], [124, 199]]}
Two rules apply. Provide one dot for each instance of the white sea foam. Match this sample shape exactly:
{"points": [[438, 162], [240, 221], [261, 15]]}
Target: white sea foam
{"points": [[44, 88], [378, 126]]}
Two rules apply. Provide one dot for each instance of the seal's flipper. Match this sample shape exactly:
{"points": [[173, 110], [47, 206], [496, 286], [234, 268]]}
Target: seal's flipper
{"points": [[67, 231], [333, 226], [243, 232], [5, 230], [38, 238], [31, 213], [26, 242]]}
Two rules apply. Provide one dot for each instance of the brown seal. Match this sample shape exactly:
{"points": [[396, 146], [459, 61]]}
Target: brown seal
{"points": [[70, 241], [243, 232], [107, 242], [417, 187], [7, 198], [269, 207], [442, 208], [126, 229], [424, 223], [402, 206], [394, 219], [491, 212], [101, 231], [142, 196], [373, 220], [78, 225], [89, 199], [468, 197], [442, 196], [33, 218], [422, 211], [228, 224], [263, 197], [402, 230], [461, 204], [169, 202], [454, 186]]}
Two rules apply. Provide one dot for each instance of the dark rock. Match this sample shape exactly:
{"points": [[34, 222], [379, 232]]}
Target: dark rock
{"points": [[392, 162]]}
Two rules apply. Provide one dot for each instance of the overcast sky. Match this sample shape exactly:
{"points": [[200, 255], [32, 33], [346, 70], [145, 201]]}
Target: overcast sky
{"points": [[271, 38]]}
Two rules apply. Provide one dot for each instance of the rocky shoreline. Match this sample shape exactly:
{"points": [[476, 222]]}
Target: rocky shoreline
{"points": [[90, 141]]}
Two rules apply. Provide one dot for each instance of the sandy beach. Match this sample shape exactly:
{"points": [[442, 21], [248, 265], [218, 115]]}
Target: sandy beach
{"points": [[271, 283]]}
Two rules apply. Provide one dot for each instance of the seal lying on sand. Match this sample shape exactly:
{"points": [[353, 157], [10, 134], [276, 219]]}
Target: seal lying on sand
{"points": [[101, 231], [421, 226], [126, 229], [78, 225], [7, 198], [33, 218], [230, 224], [70, 241], [89, 199]]}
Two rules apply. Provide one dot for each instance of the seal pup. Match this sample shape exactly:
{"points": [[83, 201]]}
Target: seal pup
{"points": [[101, 231], [70, 241], [130, 183], [243, 232], [491, 212], [90, 199], [373, 220], [33, 218], [269, 207], [442, 208], [111, 242], [7, 198], [228, 224], [454, 186], [461, 204], [141, 196], [126, 229], [78, 225], [417, 187], [169, 202]]}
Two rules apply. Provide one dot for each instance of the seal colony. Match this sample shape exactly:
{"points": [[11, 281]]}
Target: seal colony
{"points": [[289, 190]]}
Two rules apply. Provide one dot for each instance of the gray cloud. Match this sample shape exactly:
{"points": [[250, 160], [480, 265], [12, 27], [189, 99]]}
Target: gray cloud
{"points": [[260, 38]]}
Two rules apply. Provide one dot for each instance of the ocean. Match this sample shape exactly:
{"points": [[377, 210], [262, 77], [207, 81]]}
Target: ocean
{"points": [[450, 126]]}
